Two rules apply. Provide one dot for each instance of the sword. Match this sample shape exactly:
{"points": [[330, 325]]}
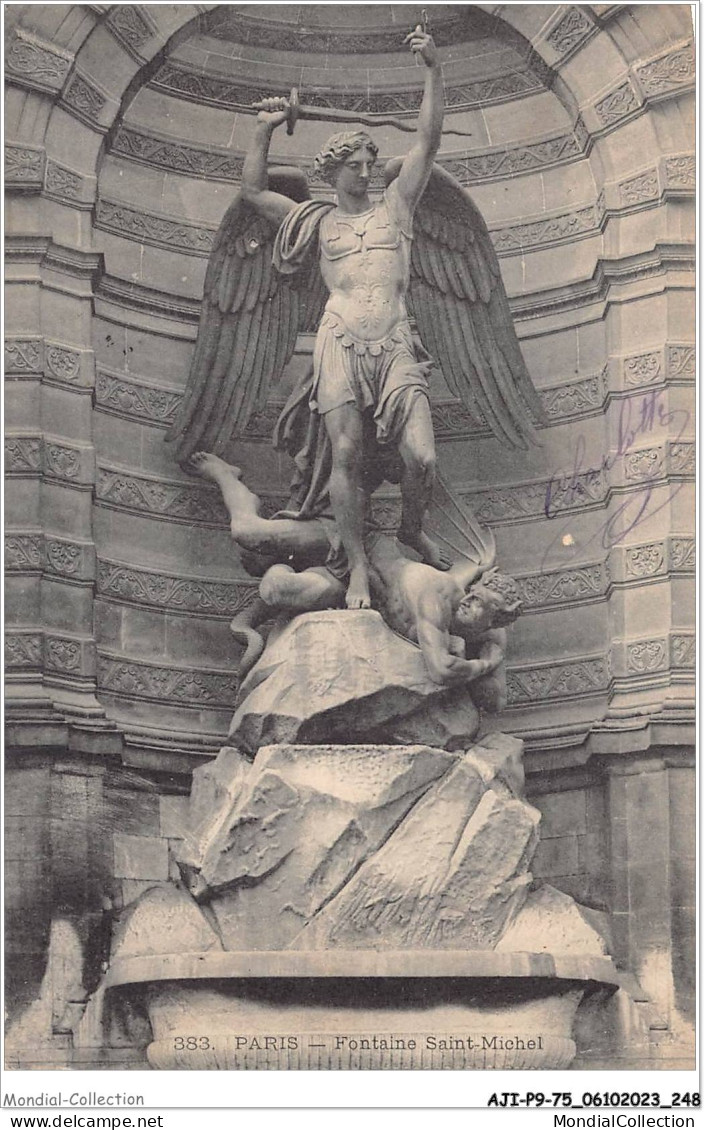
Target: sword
{"points": [[299, 111]]}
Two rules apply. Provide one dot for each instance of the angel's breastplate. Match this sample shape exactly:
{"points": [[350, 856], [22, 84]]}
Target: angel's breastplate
{"points": [[365, 262], [342, 235]]}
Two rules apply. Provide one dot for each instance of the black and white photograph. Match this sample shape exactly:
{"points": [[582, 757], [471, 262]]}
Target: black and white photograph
{"points": [[349, 545]]}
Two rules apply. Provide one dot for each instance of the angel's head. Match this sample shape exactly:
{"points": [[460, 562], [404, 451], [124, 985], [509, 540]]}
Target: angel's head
{"points": [[346, 161], [491, 602]]}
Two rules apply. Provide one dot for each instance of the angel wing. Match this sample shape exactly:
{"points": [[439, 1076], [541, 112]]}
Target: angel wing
{"points": [[459, 303], [450, 522], [250, 318]]}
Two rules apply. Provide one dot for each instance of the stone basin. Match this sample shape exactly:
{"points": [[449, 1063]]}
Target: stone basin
{"points": [[360, 1009]]}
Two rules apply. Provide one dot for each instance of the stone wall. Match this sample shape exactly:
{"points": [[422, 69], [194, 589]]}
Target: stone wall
{"points": [[125, 130]]}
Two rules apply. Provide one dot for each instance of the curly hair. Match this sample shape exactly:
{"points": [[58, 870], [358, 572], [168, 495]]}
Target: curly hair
{"points": [[505, 592], [338, 148]]}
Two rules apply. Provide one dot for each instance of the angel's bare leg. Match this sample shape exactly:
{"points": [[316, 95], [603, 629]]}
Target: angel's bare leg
{"points": [[344, 427], [271, 537], [309, 591], [417, 450]]}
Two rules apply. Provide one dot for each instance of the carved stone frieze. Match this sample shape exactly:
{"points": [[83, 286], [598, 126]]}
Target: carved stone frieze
{"points": [[147, 227], [645, 560], [681, 171], [681, 361], [159, 497], [572, 679], [670, 72], [545, 232], [451, 419], [23, 649], [682, 459], [575, 399], [570, 31], [618, 104], [235, 24], [136, 401], [164, 231], [24, 167], [175, 155], [638, 189], [60, 181], [23, 455], [84, 99], [223, 164], [23, 552], [166, 684], [261, 424], [62, 363], [130, 26], [683, 652], [182, 594], [529, 500], [23, 355], [683, 554], [644, 656], [642, 369], [32, 62], [501, 163], [565, 586]]}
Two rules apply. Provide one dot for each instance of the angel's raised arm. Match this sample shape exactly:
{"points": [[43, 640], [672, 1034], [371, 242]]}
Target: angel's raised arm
{"points": [[273, 206], [417, 166]]}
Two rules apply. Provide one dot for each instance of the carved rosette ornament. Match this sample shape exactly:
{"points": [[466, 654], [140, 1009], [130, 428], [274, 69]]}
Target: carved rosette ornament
{"points": [[643, 369], [645, 560], [63, 557], [645, 656], [63, 655], [62, 363]]}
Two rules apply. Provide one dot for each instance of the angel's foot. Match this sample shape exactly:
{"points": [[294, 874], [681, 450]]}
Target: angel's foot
{"points": [[429, 551], [358, 595], [213, 467]]}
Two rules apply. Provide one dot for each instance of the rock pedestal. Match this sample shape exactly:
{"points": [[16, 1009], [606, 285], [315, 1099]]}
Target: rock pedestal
{"points": [[339, 677], [368, 901]]}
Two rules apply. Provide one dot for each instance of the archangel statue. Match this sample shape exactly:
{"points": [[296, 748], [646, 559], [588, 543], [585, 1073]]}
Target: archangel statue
{"points": [[356, 271]]}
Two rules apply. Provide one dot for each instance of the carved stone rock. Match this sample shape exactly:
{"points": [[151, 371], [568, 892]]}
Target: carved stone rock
{"points": [[453, 873], [292, 830], [346, 677], [552, 922], [163, 912]]}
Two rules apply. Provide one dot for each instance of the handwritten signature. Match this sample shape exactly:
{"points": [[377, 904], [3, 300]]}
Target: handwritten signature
{"points": [[637, 418]]}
